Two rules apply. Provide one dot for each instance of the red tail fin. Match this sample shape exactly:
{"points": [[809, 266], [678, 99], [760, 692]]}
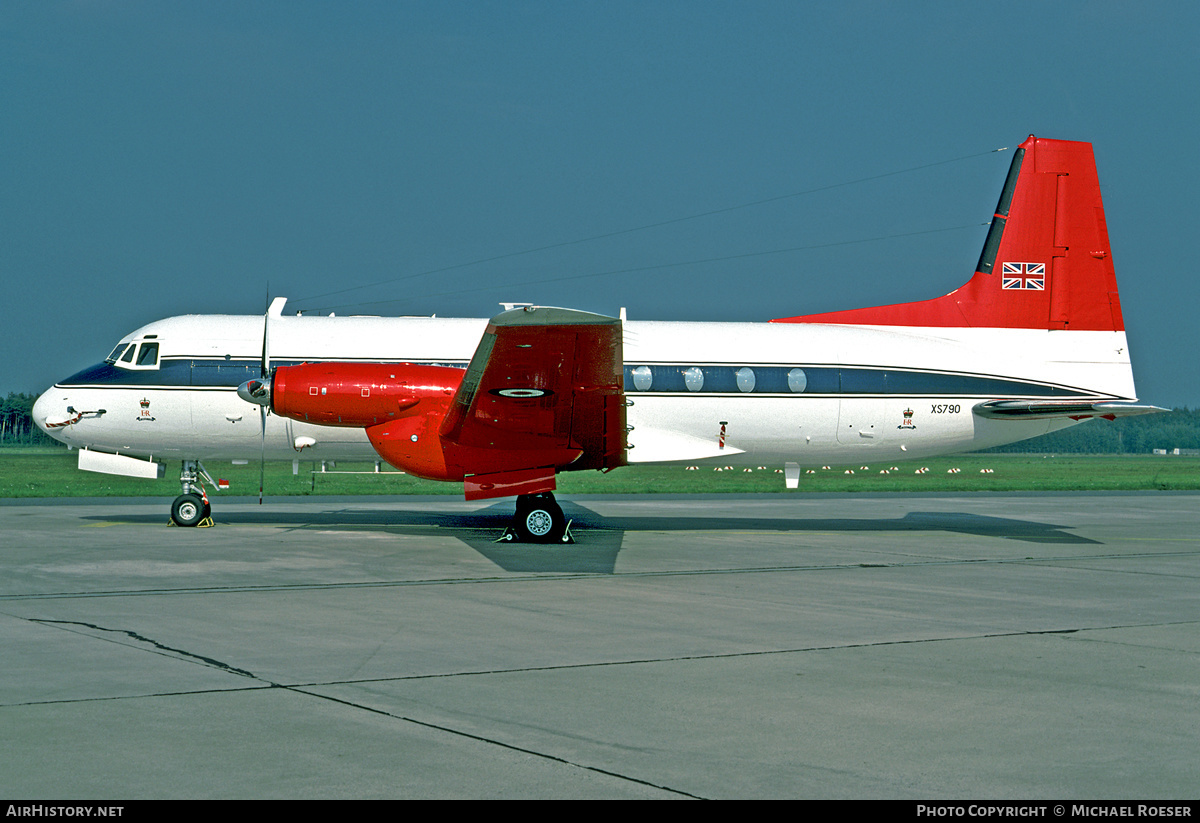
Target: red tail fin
{"points": [[1045, 263]]}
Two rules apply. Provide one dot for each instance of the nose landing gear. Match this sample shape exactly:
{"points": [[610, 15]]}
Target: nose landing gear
{"points": [[192, 507]]}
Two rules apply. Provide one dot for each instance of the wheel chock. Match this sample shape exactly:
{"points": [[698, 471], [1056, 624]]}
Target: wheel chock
{"points": [[510, 536], [206, 523]]}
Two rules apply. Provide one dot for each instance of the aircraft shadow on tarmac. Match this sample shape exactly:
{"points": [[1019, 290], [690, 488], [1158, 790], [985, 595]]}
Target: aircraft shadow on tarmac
{"points": [[600, 538]]}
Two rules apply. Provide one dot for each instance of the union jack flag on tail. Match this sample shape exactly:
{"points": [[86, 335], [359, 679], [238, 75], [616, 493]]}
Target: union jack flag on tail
{"points": [[1024, 276]]}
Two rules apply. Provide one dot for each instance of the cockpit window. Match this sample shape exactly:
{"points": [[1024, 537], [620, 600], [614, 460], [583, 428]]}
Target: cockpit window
{"points": [[134, 355], [148, 356]]}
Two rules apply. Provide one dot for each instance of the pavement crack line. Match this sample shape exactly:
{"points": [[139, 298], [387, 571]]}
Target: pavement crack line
{"points": [[301, 686], [493, 742], [160, 648]]}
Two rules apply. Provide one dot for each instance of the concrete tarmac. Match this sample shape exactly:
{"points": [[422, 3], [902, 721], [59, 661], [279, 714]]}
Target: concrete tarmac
{"points": [[1020, 646]]}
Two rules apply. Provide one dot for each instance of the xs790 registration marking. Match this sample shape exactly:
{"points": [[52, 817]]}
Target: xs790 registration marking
{"points": [[945, 408]]}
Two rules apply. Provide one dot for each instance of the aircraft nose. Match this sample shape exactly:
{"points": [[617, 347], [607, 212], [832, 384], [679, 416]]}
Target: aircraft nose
{"points": [[45, 406]]}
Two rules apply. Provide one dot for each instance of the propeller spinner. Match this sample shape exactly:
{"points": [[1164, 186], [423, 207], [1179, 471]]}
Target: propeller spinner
{"points": [[257, 391]]}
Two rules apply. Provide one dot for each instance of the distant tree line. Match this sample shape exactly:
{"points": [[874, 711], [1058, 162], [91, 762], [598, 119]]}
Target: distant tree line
{"points": [[16, 422], [1176, 429]]}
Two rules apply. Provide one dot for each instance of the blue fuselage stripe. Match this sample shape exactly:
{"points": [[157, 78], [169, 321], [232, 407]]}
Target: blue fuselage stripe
{"points": [[651, 379]]}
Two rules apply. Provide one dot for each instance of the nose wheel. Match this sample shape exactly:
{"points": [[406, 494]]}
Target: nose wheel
{"points": [[538, 519], [190, 510]]}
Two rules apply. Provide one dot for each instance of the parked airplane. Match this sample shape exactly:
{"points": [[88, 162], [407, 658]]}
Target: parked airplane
{"points": [[1034, 342]]}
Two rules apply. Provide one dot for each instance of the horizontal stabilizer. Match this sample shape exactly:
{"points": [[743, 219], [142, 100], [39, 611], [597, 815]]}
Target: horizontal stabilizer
{"points": [[1073, 410]]}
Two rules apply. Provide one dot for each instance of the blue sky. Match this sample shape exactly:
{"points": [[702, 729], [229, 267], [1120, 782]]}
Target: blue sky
{"points": [[184, 157]]}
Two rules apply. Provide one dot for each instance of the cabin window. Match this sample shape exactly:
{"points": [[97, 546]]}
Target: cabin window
{"points": [[642, 378], [693, 378], [745, 379], [797, 380]]}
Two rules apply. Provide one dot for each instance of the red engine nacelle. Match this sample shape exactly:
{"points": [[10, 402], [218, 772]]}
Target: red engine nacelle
{"points": [[400, 406], [359, 394]]}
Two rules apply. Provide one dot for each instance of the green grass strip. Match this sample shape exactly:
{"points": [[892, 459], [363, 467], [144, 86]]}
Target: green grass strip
{"points": [[51, 472]]}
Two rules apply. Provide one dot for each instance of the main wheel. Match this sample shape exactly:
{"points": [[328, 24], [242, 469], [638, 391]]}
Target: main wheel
{"points": [[188, 510], [539, 519]]}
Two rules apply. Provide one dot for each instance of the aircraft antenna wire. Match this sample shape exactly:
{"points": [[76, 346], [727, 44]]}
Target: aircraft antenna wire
{"points": [[645, 227], [635, 269]]}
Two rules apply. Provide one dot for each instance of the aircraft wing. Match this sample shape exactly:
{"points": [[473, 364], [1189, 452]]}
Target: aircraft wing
{"points": [[543, 392], [1075, 410]]}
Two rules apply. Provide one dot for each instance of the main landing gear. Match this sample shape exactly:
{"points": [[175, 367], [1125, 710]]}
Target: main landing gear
{"points": [[538, 519], [192, 508]]}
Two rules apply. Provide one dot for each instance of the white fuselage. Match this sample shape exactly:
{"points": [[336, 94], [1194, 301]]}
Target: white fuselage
{"points": [[742, 393]]}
